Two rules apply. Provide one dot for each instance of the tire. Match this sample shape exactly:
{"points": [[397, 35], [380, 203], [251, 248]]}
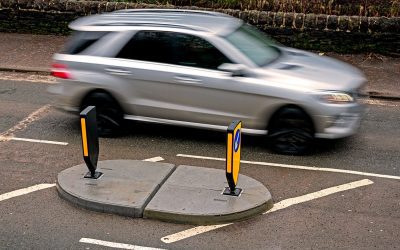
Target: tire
{"points": [[108, 112], [291, 132]]}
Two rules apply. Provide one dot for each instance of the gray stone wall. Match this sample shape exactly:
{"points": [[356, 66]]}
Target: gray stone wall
{"points": [[307, 31]]}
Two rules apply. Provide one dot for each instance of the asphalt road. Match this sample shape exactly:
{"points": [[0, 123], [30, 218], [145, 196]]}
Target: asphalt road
{"points": [[365, 217]]}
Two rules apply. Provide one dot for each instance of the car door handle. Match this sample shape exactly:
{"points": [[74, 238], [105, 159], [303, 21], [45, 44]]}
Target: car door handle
{"points": [[187, 79], [119, 72]]}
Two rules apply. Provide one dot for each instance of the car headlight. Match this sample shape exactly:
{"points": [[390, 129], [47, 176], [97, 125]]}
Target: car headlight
{"points": [[336, 97]]}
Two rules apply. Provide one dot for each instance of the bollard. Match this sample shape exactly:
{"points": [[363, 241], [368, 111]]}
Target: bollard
{"points": [[233, 148], [90, 141]]}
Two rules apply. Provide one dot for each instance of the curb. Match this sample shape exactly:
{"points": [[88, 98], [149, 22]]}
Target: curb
{"points": [[376, 95], [43, 71], [209, 219]]}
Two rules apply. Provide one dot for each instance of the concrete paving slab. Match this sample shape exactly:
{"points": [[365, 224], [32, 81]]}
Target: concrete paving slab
{"points": [[193, 195], [125, 188]]}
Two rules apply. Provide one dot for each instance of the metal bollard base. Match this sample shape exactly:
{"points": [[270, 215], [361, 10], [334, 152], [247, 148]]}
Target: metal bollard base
{"points": [[235, 192], [95, 176]]}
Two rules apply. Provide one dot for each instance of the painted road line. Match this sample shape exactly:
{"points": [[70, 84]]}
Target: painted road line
{"points": [[154, 159], [381, 103], [115, 244], [27, 77], [191, 232], [278, 206], [33, 140], [319, 194], [34, 116], [334, 170], [24, 191]]}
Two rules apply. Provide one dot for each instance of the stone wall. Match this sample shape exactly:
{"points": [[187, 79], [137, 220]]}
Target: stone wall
{"points": [[307, 31], [388, 8]]}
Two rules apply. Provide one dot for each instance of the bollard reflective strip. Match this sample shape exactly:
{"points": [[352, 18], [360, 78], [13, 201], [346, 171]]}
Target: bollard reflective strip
{"points": [[229, 154], [84, 137]]}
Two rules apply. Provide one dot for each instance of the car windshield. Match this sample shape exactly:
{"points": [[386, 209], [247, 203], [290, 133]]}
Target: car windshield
{"points": [[255, 45]]}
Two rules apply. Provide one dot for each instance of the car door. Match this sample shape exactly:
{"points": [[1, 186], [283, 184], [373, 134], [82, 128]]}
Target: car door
{"points": [[175, 77]]}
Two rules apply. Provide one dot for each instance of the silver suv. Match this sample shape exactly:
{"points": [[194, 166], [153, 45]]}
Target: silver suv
{"points": [[204, 70]]}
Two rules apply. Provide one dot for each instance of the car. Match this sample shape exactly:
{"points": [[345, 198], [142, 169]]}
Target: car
{"points": [[204, 69]]}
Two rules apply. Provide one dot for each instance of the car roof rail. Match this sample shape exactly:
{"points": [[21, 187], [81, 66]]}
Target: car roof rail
{"points": [[152, 24], [180, 11]]}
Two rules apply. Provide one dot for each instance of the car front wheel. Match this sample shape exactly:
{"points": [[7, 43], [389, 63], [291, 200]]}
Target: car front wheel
{"points": [[291, 132]]}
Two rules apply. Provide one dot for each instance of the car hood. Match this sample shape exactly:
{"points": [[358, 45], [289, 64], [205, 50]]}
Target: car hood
{"points": [[312, 71]]}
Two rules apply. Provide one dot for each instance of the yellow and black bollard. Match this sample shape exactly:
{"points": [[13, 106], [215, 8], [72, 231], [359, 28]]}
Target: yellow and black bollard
{"points": [[233, 147], [90, 141]]}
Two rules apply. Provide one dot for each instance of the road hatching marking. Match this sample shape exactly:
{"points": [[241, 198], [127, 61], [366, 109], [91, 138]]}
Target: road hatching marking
{"points": [[334, 170], [278, 206], [9, 135], [23, 124]]}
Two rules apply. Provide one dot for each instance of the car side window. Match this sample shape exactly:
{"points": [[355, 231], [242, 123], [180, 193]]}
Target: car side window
{"points": [[197, 52], [173, 48], [148, 46], [81, 40]]}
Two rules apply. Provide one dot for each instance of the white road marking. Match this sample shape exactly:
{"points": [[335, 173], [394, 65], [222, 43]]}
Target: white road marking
{"points": [[33, 140], [24, 191], [154, 159], [297, 167], [191, 232], [27, 77], [312, 196], [278, 206], [34, 116], [115, 245], [381, 103]]}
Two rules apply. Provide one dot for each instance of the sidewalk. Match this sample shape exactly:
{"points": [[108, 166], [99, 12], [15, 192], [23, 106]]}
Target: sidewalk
{"points": [[26, 52]]}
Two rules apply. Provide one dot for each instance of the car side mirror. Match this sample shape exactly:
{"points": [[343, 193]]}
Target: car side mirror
{"points": [[237, 70]]}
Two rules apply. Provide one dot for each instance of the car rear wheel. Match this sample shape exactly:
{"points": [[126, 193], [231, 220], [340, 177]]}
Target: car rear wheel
{"points": [[291, 132], [109, 114]]}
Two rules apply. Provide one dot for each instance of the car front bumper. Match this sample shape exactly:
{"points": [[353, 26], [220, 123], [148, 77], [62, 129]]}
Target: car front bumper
{"points": [[342, 122]]}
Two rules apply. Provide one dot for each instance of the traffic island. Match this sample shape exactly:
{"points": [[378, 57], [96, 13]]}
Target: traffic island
{"points": [[153, 190], [125, 187], [194, 195]]}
